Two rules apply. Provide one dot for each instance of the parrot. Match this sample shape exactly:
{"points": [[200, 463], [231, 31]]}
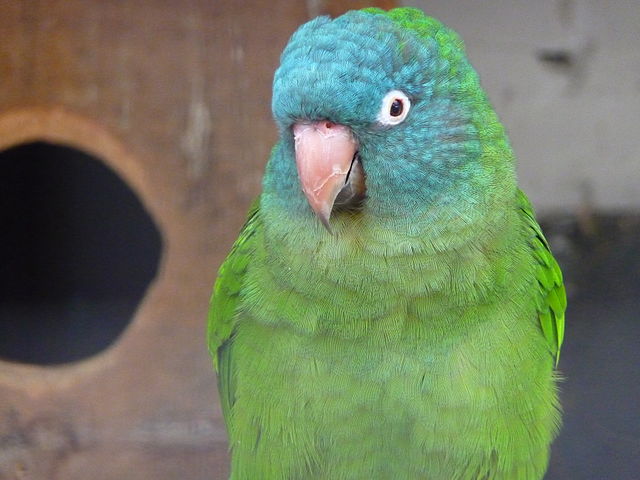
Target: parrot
{"points": [[391, 308]]}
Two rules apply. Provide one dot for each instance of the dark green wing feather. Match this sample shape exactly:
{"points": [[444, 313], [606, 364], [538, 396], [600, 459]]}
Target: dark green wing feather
{"points": [[224, 304], [552, 301]]}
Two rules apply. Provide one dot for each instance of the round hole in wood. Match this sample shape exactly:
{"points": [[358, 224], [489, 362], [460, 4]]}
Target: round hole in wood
{"points": [[77, 253]]}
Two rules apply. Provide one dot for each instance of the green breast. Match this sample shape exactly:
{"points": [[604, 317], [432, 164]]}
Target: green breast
{"points": [[357, 359]]}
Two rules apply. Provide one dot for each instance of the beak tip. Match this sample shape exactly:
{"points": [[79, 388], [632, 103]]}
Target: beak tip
{"points": [[323, 213], [325, 222]]}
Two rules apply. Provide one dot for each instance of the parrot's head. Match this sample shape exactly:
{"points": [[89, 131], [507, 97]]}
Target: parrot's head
{"points": [[380, 112]]}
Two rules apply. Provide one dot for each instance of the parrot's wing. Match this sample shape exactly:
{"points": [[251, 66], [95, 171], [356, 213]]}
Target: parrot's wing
{"points": [[224, 303], [552, 300]]}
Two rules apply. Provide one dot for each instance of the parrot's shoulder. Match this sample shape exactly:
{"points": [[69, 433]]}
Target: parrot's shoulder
{"points": [[229, 283], [551, 299]]}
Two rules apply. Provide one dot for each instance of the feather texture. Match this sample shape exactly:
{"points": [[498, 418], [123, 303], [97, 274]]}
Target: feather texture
{"points": [[553, 299]]}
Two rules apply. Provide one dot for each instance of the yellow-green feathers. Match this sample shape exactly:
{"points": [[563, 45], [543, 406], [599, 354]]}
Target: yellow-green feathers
{"points": [[553, 301]]}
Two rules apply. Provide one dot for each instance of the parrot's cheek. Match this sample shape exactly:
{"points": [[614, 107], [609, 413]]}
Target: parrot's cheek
{"points": [[325, 155]]}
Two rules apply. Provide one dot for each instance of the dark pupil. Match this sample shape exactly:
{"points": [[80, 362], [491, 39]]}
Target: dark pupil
{"points": [[396, 108]]}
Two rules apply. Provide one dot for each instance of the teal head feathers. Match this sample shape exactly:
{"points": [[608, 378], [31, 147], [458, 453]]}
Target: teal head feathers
{"points": [[423, 134]]}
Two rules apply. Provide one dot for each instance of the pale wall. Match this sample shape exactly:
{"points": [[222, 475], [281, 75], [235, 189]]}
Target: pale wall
{"points": [[575, 129]]}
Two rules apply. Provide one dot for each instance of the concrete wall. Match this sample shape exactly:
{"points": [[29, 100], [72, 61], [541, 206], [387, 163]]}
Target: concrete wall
{"points": [[564, 76]]}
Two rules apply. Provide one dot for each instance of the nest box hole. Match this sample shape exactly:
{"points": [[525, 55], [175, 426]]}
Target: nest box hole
{"points": [[77, 253]]}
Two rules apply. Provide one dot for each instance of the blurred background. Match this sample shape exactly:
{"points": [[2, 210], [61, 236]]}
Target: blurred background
{"points": [[133, 136]]}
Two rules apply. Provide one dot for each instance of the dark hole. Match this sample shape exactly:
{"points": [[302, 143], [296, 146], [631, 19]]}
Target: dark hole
{"points": [[77, 253]]}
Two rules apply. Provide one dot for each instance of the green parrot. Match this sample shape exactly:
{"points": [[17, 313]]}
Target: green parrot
{"points": [[391, 308]]}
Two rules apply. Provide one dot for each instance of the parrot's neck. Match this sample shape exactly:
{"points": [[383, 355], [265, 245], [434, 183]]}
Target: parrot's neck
{"points": [[369, 268]]}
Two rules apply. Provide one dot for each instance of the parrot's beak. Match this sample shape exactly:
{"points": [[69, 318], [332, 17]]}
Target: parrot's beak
{"points": [[325, 153]]}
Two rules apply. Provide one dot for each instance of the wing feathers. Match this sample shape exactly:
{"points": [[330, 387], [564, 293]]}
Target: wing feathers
{"points": [[552, 300]]}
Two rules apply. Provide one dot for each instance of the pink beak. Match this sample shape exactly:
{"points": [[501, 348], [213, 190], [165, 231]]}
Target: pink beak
{"points": [[324, 152]]}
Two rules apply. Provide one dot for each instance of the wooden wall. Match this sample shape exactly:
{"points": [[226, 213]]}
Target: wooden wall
{"points": [[175, 97]]}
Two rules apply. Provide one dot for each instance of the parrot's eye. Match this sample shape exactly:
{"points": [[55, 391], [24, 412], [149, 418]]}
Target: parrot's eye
{"points": [[395, 107]]}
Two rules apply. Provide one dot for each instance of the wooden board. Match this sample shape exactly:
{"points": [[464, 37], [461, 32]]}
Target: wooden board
{"points": [[175, 97]]}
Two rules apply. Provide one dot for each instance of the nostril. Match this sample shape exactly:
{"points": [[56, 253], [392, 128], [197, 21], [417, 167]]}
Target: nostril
{"points": [[329, 125]]}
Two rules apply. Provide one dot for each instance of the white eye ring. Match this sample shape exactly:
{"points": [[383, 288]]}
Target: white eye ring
{"points": [[395, 108]]}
